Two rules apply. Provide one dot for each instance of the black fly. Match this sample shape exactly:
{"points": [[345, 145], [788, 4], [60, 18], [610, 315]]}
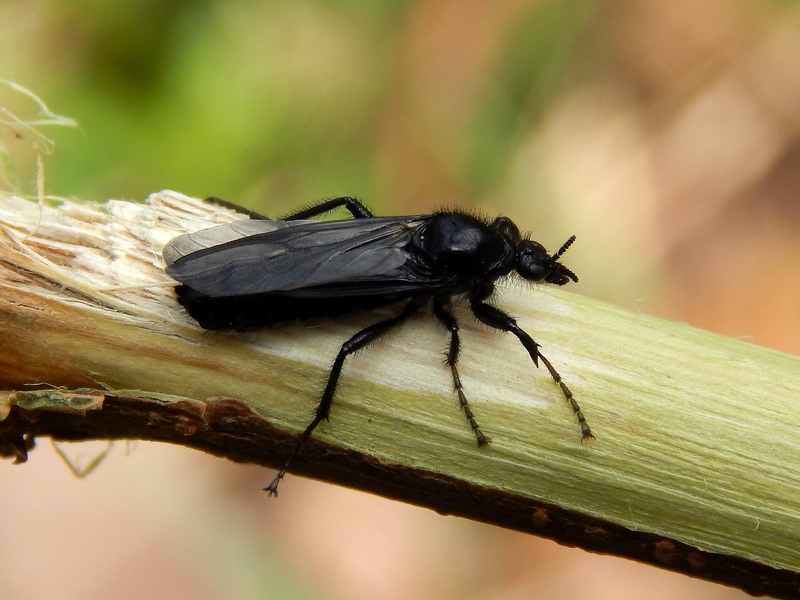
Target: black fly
{"points": [[262, 271]]}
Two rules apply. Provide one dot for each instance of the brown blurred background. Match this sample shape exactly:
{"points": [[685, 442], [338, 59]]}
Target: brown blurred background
{"points": [[665, 135]]}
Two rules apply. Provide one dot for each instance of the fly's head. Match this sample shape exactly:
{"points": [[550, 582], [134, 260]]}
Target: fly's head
{"points": [[535, 264]]}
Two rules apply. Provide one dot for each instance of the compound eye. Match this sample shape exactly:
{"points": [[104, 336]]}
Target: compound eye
{"points": [[535, 272], [533, 262]]}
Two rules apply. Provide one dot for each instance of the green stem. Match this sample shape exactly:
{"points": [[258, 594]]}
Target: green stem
{"points": [[695, 468]]}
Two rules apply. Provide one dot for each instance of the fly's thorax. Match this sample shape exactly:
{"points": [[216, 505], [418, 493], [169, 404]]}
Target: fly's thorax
{"points": [[463, 246]]}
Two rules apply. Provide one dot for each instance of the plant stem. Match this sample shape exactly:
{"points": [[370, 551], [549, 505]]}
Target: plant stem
{"points": [[695, 468]]}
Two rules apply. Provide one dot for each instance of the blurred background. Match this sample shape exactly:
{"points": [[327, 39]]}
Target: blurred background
{"points": [[665, 135]]}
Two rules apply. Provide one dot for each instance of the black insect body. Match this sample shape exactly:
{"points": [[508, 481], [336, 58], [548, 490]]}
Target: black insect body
{"points": [[262, 271]]}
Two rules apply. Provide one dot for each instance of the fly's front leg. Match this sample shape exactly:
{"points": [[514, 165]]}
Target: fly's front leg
{"points": [[450, 323], [359, 341], [358, 210], [497, 319]]}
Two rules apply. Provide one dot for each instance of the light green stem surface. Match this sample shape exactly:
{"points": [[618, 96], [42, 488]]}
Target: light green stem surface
{"points": [[696, 433]]}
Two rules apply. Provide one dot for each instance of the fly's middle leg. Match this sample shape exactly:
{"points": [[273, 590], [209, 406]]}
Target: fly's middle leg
{"points": [[450, 323]]}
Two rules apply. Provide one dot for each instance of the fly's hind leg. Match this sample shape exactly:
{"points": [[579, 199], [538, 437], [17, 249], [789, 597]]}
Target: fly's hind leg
{"points": [[450, 323], [358, 210], [235, 207], [359, 341]]}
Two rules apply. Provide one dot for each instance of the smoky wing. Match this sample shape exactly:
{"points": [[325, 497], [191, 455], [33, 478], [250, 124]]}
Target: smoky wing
{"points": [[204, 239], [298, 258]]}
